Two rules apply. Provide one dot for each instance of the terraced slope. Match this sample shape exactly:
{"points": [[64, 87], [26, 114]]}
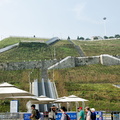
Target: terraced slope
{"points": [[93, 48], [92, 82], [59, 50], [14, 40]]}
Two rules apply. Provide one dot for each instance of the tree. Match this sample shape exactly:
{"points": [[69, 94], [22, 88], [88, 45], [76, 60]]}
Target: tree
{"points": [[68, 38], [111, 37], [105, 37], [95, 38], [78, 38], [81, 38], [117, 36], [87, 38]]}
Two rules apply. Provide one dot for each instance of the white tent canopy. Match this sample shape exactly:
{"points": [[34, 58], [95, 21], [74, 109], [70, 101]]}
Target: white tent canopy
{"points": [[42, 100], [75, 98], [5, 84], [24, 97], [71, 98], [8, 90], [39, 100]]}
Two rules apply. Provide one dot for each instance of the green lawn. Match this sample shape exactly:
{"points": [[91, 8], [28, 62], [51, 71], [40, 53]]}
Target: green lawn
{"points": [[106, 94], [92, 82], [93, 48], [60, 50], [20, 79], [13, 40], [90, 74]]}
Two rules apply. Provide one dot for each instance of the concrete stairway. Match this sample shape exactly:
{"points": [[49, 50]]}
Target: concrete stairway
{"points": [[8, 47]]}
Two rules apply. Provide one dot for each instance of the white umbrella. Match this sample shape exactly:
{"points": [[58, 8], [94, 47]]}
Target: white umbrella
{"points": [[7, 90], [71, 98], [77, 99], [42, 99], [61, 98], [24, 97]]}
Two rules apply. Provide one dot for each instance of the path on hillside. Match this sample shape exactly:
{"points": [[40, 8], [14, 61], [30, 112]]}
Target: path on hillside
{"points": [[78, 49], [8, 47], [118, 86]]}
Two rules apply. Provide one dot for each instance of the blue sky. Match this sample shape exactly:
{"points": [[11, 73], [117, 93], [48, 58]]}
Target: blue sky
{"points": [[61, 18]]}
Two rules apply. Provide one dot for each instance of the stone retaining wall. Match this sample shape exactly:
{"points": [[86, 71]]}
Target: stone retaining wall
{"points": [[64, 63], [27, 65]]}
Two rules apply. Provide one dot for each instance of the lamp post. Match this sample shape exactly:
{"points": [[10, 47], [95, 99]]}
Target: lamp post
{"points": [[30, 85], [105, 26], [54, 59]]}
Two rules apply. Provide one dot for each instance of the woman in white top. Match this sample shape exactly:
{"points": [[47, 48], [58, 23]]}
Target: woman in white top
{"points": [[52, 113], [88, 115]]}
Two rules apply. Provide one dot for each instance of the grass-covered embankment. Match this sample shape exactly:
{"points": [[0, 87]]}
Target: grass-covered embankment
{"points": [[94, 48], [92, 82], [59, 51], [20, 79], [14, 40]]}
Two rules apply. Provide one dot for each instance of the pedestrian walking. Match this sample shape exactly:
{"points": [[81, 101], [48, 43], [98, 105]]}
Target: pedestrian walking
{"points": [[80, 114], [93, 114], [88, 113], [33, 113], [64, 115], [52, 113]]}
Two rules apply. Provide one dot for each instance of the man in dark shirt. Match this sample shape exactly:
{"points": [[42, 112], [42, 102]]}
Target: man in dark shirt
{"points": [[93, 114], [33, 112]]}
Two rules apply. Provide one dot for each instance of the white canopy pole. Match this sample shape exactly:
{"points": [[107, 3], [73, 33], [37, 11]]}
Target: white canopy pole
{"points": [[83, 105]]}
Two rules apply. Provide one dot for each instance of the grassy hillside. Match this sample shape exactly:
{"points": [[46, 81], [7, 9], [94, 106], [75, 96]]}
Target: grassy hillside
{"points": [[13, 40], [61, 50], [93, 48], [92, 82], [20, 79]]}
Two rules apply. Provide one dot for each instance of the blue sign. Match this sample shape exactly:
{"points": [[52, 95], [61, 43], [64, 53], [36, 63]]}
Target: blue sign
{"points": [[27, 116], [72, 115], [99, 115]]}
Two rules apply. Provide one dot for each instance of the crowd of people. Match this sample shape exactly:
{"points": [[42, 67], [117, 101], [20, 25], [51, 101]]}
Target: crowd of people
{"points": [[88, 114]]}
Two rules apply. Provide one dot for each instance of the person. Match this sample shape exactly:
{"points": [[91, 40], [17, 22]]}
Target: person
{"points": [[33, 113], [80, 114], [93, 114], [88, 115], [52, 113], [64, 115]]}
